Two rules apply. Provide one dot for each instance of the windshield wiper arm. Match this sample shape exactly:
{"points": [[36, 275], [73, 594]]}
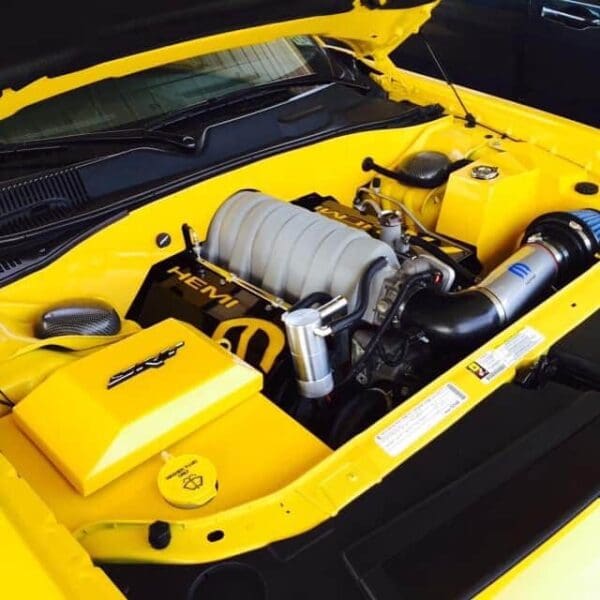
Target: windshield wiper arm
{"points": [[186, 143], [244, 94]]}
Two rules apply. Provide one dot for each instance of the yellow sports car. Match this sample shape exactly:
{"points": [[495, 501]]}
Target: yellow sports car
{"points": [[280, 320]]}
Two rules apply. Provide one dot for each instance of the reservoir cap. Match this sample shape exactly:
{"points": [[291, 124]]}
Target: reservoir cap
{"points": [[187, 480]]}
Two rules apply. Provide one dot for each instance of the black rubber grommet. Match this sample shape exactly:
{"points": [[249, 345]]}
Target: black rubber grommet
{"points": [[159, 535], [587, 188], [367, 164]]}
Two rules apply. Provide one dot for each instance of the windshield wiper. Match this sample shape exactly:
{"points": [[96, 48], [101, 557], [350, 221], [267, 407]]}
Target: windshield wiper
{"points": [[245, 94], [151, 132], [184, 143]]}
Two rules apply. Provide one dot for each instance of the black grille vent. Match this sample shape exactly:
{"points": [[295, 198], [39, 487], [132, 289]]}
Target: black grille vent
{"points": [[9, 264], [40, 201]]}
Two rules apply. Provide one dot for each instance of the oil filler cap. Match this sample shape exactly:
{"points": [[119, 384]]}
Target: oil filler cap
{"points": [[187, 480]]}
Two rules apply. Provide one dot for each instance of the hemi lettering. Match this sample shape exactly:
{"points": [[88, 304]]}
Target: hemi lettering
{"points": [[198, 284], [344, 218], [213, 293], [180, 274]]}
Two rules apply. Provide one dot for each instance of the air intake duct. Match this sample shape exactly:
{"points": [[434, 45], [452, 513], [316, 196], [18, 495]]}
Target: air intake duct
{"points": [[556, 248]]}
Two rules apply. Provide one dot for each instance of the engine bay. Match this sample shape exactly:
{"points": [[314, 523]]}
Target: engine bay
{"points": [[281, 325], [348, 311]]}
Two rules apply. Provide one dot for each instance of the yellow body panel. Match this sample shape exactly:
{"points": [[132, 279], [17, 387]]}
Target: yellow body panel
{"points": [[276, 480], [94, 432], [256, 449], [370, 31], [261, 497], [112, 263], [38, 557], [561, 137], [22, 374]]}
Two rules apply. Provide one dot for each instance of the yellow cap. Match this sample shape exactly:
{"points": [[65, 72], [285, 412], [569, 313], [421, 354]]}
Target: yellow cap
{"points": [[187, 481]]}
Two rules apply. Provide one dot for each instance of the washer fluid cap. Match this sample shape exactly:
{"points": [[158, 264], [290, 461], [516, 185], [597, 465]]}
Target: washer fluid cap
{"points": [[188, 481]]}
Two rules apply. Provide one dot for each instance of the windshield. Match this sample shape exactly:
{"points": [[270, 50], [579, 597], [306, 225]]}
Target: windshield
{"points": [[123, 102]]}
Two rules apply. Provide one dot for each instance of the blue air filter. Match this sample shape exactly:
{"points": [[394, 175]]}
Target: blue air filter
{"points": [[591, 219]]}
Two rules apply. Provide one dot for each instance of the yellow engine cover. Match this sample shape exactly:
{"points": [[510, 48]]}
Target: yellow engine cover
{"points": [[102, 415]]}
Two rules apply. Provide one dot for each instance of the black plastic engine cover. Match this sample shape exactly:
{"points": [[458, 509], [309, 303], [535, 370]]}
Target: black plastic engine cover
{"points": [[330, 208], [181, 288]]}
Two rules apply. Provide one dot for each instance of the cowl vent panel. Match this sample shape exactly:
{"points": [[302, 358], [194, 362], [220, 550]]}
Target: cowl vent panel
{"points": [[33, 203]]}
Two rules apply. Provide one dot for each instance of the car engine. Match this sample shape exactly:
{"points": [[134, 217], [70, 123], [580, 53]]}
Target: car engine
{"points": [[347, 311]]}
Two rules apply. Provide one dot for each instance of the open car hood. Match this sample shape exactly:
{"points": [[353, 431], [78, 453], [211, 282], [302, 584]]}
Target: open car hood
{"points": [[55, 38]]}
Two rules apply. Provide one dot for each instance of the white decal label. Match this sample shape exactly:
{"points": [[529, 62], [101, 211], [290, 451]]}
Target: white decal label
{"points": [[418, 421], [491, 364]]}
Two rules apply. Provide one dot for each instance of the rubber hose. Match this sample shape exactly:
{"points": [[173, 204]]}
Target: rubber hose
{"points": [[363, 297], [469, 278], [459, 319], [311, 299], [416, 281]]}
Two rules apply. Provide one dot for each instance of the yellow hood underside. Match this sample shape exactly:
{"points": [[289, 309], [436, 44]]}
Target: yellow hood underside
{"points": [[371, 33]]}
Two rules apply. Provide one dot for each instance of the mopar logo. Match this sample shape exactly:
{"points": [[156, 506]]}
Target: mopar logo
{"points": [[521, 270]]}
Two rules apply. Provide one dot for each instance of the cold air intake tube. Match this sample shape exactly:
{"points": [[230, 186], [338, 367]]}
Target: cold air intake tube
{"points": [[557, 247]]}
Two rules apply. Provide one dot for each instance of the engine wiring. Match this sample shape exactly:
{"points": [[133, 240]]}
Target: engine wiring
{"points": [[413, 285], [411, 215]]}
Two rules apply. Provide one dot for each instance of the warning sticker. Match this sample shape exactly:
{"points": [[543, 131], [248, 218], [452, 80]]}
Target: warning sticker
{"points": [[418, 421], [491, 364]]}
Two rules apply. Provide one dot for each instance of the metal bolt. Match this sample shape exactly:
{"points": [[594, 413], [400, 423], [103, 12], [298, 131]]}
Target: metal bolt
{"points": [[485, 172], [383, 305], [362, 378], [163, 240]]}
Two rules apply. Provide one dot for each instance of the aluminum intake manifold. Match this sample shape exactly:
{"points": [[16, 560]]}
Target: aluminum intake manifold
{"points": [[293, 252]]}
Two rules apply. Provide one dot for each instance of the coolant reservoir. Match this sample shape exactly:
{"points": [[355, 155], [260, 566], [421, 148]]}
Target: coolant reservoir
{"points": [[100, 416], [490, 212]]}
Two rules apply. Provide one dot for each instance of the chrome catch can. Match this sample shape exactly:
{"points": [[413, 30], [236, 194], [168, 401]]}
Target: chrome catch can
{"points": [[306, 340], [309, 352]]}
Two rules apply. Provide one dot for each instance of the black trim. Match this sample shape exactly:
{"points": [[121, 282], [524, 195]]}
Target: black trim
{"points": [[46, 254], [447, 522], [444, 534], [393, 4], [575, 360], [122, 182]]}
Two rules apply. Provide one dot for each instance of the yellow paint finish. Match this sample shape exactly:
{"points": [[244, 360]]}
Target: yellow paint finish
{"points": [[276, 480], [17, 335], [371, 32], [250, 327], [38, 557], [494, 213], [565, 566], [272, 485], [22, 374], [113, 262], [559, 136], [94, 433], [256, 448]]}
